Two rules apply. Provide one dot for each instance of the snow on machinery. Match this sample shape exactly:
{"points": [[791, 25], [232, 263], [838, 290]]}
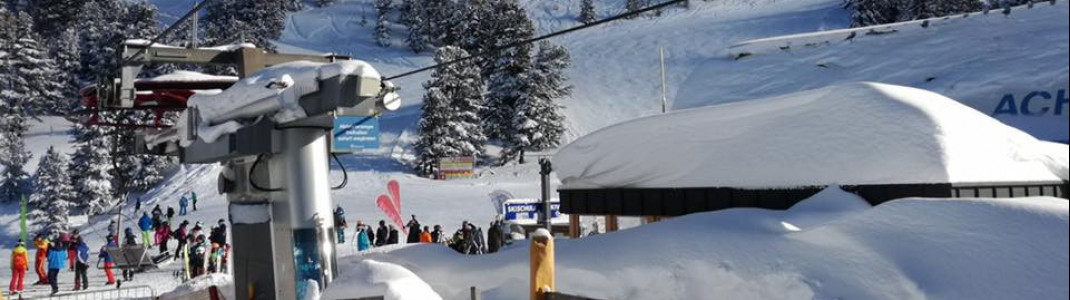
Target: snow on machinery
{"points": [[272, 127]]}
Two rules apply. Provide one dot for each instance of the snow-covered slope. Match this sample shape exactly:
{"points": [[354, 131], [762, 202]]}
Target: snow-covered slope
{"points": [[850, 134], [835, 249], [1013, 67]]}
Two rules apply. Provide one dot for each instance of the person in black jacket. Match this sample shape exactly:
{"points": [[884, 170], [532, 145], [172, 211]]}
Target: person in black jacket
{"points": [[495, 239], [393, 239], [414, 231], [219, 233], [382, 234]]}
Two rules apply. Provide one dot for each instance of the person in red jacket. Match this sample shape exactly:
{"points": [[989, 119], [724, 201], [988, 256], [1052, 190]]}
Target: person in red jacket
{"points": [[20, 263], [41, 260]]}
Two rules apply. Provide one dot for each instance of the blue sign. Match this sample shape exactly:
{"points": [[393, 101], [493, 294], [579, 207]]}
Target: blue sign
{"points": [[1033, 104], [355, 134], [514, 210]]}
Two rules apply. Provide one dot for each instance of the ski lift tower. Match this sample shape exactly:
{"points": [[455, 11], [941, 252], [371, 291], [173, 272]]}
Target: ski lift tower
{"points": [[276, 168]]}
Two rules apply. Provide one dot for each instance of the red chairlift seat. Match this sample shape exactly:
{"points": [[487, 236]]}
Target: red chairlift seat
{"points": [[158, 96]]}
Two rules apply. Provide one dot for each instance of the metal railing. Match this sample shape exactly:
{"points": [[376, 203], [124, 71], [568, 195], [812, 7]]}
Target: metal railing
{"points": [[128, 293]]}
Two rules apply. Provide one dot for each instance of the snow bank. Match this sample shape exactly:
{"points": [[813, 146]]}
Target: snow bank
{"points": [[831, 204], [991, 63], [188, 76], [272, 92], [852, 134], [905, 249], [197, 288], [369, 278]]}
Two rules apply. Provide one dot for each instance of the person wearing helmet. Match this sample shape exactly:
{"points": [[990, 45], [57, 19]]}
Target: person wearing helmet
{"points": [[20, 264]]}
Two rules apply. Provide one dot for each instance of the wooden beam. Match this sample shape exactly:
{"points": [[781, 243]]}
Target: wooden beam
{"points": [[574, 226]]}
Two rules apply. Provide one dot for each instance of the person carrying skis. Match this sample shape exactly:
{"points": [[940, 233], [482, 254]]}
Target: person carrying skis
{"points": [[340, 224], [414, 231], [20, 264], [57, 260], [145, 224], [81, 268], [41, 262], [183, 205], [106, 258]]}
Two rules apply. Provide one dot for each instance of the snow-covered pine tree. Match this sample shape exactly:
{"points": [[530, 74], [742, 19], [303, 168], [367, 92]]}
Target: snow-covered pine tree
{"points": [[34, 73], [382, 26], [91, 168], [450, 122], [52, 17], [51, 202], [413, 17], [101, 33], [477, 30], [64, 51], [925, 9], [538, 124], [876, 12], [14, 182], [257, 21], [438, 22], [633, 5], [510, 69], [587, 12]]}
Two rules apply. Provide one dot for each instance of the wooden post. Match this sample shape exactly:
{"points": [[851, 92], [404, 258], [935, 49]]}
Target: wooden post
{"points": [[612, 224], [574, 226]]}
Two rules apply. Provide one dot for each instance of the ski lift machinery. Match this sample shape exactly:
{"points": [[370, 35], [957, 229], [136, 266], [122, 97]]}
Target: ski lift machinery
{"points": [[276, 172]]}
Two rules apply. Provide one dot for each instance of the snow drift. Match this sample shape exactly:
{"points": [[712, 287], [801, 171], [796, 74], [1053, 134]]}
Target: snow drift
{"points": [[1013, 67], [905, 249], [369, 277], [852, 134]]}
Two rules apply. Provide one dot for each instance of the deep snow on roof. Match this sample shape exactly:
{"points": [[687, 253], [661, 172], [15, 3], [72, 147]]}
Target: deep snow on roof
{"points": [[853, 134]]}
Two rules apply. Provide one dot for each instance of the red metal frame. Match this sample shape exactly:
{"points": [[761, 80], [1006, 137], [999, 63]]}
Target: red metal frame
{"points": [[156, 96]]}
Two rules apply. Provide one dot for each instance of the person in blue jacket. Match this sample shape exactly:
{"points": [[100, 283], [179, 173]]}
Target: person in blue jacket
{"points": [[81, 266], [57, 260], [145, 224], [109, 263], [363, 242], [183, 205]]}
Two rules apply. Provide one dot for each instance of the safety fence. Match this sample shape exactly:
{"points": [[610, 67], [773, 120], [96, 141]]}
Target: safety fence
{"points": [[128, 293]]}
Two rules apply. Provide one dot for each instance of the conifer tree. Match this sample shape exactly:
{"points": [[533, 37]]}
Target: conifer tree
{"points": [[450, 122], [587, 12], [32, 73], [538, 124], [51, 202], [52, 17], [382, 26], [91, 167], [509, 75], [65, 53]]}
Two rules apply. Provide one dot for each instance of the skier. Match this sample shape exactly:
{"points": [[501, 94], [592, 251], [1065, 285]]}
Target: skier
{"points": [[363, 242], [425, 235], [41, 243], [130, 240], [163, 236], [340, 224], [113, 230], [180, 235], [197, 256], [137, 205], [183, 204], [81, 268], [20, 264], [219, 233], [594, 229], [106, 258], [414, 231], [436, 235], [145, 224], [381, 234], [213, 259], [495, 238], [393, 238], [370, 232], [157, 216], [57, 260], [170, 215], [193, 199], [480, 245], [72, 248]]}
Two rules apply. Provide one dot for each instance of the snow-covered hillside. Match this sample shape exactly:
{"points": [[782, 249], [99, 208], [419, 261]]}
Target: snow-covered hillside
{"points": [[1013, 67]]}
